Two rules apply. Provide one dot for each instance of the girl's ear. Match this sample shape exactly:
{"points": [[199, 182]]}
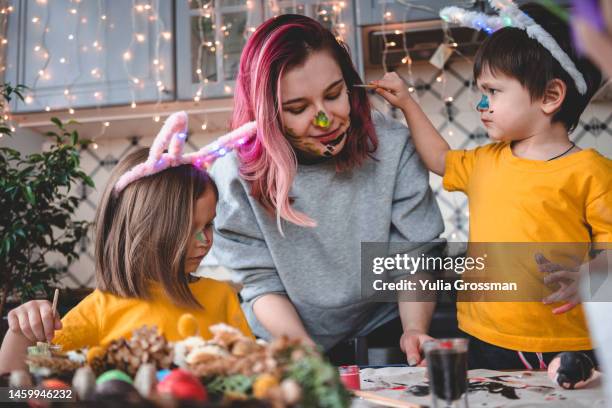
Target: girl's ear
{"points": [[554, 95]]}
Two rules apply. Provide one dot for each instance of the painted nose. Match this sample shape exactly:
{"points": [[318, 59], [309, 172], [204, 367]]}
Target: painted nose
{"points": [[321, 120], [483, 105]]}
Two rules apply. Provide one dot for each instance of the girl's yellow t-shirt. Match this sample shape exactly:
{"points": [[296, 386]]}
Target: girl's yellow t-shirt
{"points": [[515, 200], [102, 317]]}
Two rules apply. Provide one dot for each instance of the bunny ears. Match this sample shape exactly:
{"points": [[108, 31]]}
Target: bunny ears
{"points": [[511, 16], [172, 136]]}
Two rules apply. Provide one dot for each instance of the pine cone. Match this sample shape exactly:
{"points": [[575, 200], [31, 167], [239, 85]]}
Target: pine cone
{"points": [[145, 346], [98, 365]]}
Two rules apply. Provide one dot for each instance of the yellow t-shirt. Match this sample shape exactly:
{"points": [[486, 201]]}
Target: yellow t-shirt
{"points": [[102, 317], [567, 200]]}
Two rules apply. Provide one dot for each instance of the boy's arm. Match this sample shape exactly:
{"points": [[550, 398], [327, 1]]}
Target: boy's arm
{"points": [[13, 352], [430, 145]]}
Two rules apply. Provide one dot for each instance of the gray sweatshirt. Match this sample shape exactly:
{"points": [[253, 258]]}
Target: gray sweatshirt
{"points": [[318, 269]]}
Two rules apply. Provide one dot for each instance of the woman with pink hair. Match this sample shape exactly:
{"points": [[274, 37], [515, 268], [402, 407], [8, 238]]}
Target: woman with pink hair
{"points": [[321, 176]]}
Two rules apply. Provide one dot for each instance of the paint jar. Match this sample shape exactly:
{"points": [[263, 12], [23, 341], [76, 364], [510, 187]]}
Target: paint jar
{"points": [[349, 375], [447, 369]]}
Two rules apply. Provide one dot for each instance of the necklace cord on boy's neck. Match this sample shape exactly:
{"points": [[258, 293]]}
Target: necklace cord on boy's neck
{"points": [[564, 153]]}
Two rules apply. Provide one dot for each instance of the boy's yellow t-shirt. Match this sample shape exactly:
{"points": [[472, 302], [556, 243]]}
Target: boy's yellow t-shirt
{"points": [[511, 199], [102, 317]]}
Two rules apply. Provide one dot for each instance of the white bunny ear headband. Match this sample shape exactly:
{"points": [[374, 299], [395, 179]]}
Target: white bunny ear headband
{"points": [[172, 137], [511, 16]]}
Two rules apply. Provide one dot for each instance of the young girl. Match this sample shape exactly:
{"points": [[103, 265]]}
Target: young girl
{"points": [[532, 185], [151, 234]]}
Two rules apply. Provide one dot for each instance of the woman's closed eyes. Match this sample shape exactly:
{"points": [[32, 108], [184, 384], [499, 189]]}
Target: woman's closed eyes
{"points": [[330, 97]]}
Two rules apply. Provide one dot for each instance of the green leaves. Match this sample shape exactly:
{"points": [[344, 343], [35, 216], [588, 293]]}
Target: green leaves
{"points": [[29, 194], [38, 235], [7, 91], [57, 122], [320, 383]]}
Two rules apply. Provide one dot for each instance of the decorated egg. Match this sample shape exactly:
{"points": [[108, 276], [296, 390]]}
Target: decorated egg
{"points": [[263, 384], [161, 374], [54, 384], [114, 375], [182, 384], [116, 390], [20, 379], [188, 325], [84, 383], [146, 379], [48, 384], [571, 369]]}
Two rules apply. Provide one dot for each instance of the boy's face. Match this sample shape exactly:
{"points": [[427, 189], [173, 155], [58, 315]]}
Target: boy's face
{"points": [[201, 233], [315, 106], [511, 114]]}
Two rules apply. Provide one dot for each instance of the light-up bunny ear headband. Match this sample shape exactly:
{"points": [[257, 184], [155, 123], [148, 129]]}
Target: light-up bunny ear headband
{"points": [[511, 16], [172, 137]]}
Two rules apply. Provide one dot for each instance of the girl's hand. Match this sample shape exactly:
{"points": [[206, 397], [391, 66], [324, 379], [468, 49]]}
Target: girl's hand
{"points": [[393, 89], [35, 320]]}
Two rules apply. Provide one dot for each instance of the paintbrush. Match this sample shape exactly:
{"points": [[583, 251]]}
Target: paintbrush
{"points": [[386, 401], [369, 86], [43, 348], [372, 86], [55, 297]]}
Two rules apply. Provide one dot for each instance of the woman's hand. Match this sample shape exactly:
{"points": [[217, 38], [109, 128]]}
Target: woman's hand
{"points": [[35, 320], [411, 343], [394, 90]]}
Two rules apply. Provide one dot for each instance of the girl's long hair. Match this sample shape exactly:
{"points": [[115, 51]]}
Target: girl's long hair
{"points": [[269, 162], [142, 233]]}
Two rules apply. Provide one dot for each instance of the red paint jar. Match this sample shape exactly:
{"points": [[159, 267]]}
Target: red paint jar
{"points": [[349, 375]]}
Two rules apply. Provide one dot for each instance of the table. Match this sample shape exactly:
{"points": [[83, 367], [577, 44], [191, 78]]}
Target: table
{"points": [[520, 389]]}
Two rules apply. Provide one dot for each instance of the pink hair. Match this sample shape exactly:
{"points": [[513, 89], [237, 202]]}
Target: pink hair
{"points": [[268, 160]]}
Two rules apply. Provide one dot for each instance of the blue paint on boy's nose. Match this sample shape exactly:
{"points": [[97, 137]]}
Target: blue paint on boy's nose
{"points": [[483, 105]]}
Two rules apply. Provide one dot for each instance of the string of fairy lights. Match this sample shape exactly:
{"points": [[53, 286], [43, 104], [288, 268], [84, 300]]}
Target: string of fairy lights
{"points": [[5, 10], [149, 29]]}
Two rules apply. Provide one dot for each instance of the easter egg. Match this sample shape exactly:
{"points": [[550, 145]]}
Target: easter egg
{"points": [[54, 384], [571, 369], [183, 385], [84, 383], [114, 375], [161, 374], [146, 379], [20, 379], [114, 389], [263, 384], [188, 325]]}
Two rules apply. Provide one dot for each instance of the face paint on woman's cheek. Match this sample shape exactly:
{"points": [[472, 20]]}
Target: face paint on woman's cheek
{"points": [[334, 146], [303, 143]]}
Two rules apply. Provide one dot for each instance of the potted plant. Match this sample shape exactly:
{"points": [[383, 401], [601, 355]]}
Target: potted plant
{"points": [[37, 209]]}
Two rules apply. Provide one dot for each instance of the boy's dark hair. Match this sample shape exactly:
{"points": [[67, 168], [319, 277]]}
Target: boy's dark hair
{"points": [[512, 52]]}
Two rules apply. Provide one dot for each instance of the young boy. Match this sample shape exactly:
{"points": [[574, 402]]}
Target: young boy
{"points": [[532, 185]]}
